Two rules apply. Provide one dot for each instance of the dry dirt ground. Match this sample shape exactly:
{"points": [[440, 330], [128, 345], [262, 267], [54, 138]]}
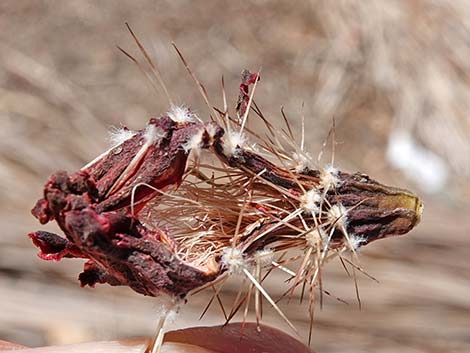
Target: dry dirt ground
{"points": [[63, 83]]}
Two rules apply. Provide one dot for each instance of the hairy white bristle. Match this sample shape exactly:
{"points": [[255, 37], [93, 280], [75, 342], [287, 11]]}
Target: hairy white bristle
{"points": [[152, 134], [233, 260], [194, 143], [337, 215], [181, 114], [117, 135], [310, 201], [315, 237], [211, 130], [303, 162], [329, 177], [233, 141], [356, 241], [264, 257]]}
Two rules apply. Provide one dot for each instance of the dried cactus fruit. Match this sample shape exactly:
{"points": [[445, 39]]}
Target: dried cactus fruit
{"points": [[145, 217]]}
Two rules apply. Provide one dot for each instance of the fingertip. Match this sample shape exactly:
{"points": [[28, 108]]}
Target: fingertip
{"points": [[236, 337]]}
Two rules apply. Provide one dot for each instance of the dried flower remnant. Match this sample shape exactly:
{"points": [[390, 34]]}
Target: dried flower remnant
{"points": [[150, 215], [97, 208]]}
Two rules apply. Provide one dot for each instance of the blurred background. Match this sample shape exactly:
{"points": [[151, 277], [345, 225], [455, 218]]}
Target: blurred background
{"points": [[395, 75]]}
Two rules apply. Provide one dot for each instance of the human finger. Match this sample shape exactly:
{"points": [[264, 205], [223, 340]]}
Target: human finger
{"points": [[231, 338], [238, 337]]}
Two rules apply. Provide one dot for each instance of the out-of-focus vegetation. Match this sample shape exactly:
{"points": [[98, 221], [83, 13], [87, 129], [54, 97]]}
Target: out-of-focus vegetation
{"points": [[394, 75]]}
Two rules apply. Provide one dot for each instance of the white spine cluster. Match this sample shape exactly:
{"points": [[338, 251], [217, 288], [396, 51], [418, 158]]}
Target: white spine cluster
{"points": [[356, 241], [232, 259], [329, 178], [303, 162], [337, 214], [153, 134], [310, 201], [181, 114], [232, 142], [194, 143], [211, 130], [118, 135]]}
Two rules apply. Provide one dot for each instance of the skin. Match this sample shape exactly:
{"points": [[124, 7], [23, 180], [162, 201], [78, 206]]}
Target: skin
{"points": [[229, 339]]}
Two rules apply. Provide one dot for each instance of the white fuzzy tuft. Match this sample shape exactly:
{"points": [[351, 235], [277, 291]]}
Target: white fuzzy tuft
{"points": [[329, 178], [153, 134], [211, 130], [356, 241], [232, 142], [315, 237], [194, 143], [303, 162], [181, 114], [310, 201], [264, 257], [233, 260], [337, 215], [117, 135]]}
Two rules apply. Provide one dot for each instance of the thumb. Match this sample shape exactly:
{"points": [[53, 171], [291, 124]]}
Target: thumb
{"points": [[238, 337], [231, 338]]}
